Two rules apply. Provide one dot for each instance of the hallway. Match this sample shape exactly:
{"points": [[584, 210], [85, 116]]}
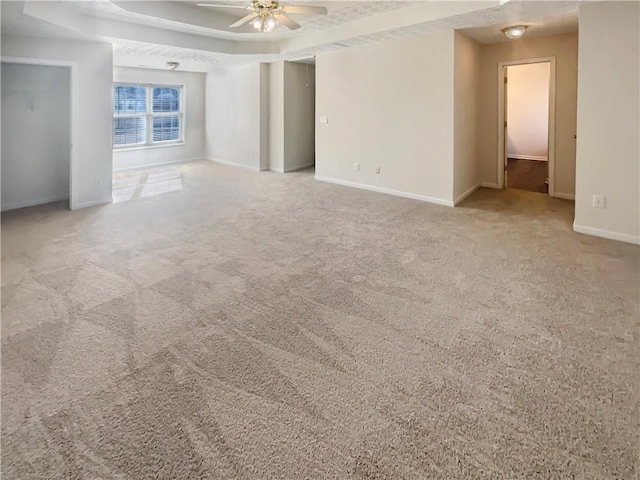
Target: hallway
{"points": [[529, 175]]}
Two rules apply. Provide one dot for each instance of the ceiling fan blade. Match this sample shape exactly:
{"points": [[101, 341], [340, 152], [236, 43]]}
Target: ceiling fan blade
{"points": [[287, 22], [244, 20], [302, 9], [222, 6]]}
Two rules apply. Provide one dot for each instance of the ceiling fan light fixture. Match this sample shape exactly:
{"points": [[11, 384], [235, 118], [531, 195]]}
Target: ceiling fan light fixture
{"points": [[265, 22], [270, 24], [257, 23], [517, 31], [267, 15]]}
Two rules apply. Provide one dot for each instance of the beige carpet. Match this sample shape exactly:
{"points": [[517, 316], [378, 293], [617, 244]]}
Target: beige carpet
{"points": [[258, 325]]}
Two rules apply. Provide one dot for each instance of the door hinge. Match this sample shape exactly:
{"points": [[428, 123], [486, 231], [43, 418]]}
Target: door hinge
{"points": [[505, 167], [505, 124], [505, 79]]}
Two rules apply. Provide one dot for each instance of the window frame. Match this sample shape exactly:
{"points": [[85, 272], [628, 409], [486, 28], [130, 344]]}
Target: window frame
{"points": [[149, 115]]}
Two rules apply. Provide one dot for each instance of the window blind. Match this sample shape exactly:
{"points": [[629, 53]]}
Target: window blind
{"points": [[146, 115], [129, 100]]}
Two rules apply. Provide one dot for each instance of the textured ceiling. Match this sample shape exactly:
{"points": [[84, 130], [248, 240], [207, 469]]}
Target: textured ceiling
{"points": [[543, 17], [136, 49], [339, 13]]}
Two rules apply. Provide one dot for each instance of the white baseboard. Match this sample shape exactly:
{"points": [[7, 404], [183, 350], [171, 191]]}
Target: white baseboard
{"points": [[528, 157], [152, 165], [93, 203], [489, 185], [564, 196], [33, 203], [301, 167], [232, 164], [596, 232], [465, 194], [388, 191]]}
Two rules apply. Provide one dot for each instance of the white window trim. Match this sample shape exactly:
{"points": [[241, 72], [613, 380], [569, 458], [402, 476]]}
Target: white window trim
{"points": [[150, 115]]}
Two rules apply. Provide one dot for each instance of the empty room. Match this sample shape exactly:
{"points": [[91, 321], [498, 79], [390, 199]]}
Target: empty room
{"points": [[320, 239]]}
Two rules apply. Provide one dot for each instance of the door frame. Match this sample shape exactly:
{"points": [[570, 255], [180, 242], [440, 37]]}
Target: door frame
{"points": [[75, 134], [551, 139]]}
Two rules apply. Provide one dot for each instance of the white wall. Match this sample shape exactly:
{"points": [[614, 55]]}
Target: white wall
{"points": [[234, 118], [608, 151], [565, 48], [299, 116], [528, 111], [194, 144], [264, 116], [276, 117], [36, 134], [91, 97], [389, 105], [467, 64]]}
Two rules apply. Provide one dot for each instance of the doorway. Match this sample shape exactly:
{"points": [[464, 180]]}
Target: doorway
{"points": [[36, 134], [526, 125], [299, 115]]}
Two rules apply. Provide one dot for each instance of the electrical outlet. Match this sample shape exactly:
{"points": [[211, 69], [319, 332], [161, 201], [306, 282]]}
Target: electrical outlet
{"points": [[377, 170], [356, 167], [598, 201]]}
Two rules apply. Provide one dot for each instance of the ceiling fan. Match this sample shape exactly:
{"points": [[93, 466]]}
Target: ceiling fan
{"points": [[266, 15]]}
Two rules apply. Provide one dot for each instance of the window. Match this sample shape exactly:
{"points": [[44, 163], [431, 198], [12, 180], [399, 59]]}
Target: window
{"points": [[147, 115]]}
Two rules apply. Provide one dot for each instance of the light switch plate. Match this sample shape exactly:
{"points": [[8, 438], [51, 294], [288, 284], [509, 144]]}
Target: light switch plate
{"points": [[324, 119]]}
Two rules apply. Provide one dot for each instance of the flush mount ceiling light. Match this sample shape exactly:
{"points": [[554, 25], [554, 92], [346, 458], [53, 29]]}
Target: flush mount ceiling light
{"points": [[172, 65], [515, 32]]}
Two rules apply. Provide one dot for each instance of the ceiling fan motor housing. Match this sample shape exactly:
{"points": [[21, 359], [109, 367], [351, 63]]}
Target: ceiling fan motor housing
{"points": [[265, 6]]}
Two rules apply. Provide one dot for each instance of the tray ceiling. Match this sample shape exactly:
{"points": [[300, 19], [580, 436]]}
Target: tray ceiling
{"points": [[149, 33]]}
